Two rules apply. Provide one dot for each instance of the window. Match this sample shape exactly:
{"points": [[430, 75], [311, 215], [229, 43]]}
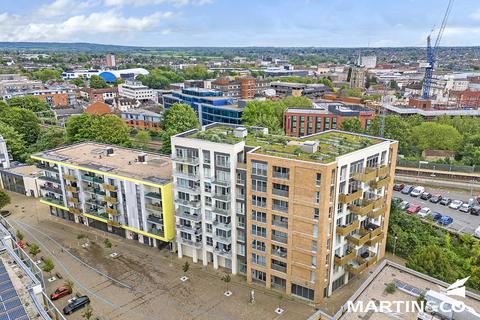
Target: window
{"points": [[258, 245], [259, 231], [317, 197], [281, 172], [206, 156], [280, 221], [343, 173], [259, 185], [259, 201], [208, 227], [259, 168], [280, 190], [222, 161], [318, 179], [280, 205], [258, 259], [279, 236], [314, 261], [208, 187], [209, 241], [259, 275], [316, 213], [314, 245], [315, 230], [303, 292], [313, 276], [259, 216]]}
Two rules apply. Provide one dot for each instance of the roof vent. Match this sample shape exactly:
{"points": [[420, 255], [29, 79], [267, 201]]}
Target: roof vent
{"points": [[240, 132], [310, 146], [142, 158], [109, 151]]}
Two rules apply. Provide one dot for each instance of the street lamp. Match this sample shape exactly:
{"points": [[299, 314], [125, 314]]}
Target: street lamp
{"points": [[395, 244]]}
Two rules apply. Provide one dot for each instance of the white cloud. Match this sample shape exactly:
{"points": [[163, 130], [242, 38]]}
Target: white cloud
{"points": [[15, 28], [139, 3], [475, 15], [63, 7]]}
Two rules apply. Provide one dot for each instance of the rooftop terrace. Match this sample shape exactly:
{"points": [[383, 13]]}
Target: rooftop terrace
{"points": [[323, 147], [123, 162]]}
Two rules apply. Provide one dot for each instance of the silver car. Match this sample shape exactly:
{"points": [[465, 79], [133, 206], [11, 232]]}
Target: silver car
{"points": [[455, 204]]}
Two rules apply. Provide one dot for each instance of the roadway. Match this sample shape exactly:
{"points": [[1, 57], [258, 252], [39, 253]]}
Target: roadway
{"points": [[462, 222]]}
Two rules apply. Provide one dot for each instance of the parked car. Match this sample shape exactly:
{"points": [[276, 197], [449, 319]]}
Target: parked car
{"points": [[466, 207], [404, 205], [414, 208], [445, 201], [425, 196], [445, 220], [436, 198], [398, 186], [455, 204], [424, 212], [475, 210], [60, 292], [407, 189], [417, 191], [436, 216], [76, 304], [5, 213]]}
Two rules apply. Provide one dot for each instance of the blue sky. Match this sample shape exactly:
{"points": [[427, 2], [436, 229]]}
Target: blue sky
{"points": [[320, 23]]}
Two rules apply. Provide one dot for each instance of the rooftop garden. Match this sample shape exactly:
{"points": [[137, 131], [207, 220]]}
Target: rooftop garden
{"points": [[331, 144]]}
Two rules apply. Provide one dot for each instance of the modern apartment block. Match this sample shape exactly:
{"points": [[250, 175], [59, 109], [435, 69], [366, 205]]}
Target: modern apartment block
{"points": [[118, 190], [136, 90], [241, 87], [305, 214]]}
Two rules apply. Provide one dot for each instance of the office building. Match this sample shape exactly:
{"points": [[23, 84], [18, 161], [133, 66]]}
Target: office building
{"points": [[300, 122], [4, 155], [210, 105], [141, 119], [22, 179], [99, 95], [118, 190], [241, 87], [304, 215], [110, 59], [286, 89], [136, 90], [109, 76], [357, 77], [369, 62]]}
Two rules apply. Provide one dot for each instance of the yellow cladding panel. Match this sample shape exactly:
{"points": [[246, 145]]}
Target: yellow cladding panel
{"points": [[54, 205], [168, 211], [95, 218]]}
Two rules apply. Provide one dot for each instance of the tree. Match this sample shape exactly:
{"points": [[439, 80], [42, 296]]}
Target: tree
{"points": [[226, 278], [196, 72], [160, 78], [19, 235], [48, 266], [180, 117], [143, 138], [4, 199], [97, 82], [267, 114], [352, 125], [107, 129], [69, 284], [34, 250], [434, 136], [185, 267], [49, 138], [297, 102], [32, 103], [14, 140], [396, 129], [45, 75], [88, 313], [107, 243], [79, 82], [24, 121]]}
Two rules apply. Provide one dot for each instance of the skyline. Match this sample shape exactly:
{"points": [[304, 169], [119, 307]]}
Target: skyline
{"points": [[208, 23]]}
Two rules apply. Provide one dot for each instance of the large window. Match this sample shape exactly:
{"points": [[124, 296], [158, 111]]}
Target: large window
{"points": [[258, 259], [280, 205], [259, 275], [259, 185], [259, 201], [259, 168], [259, 216], [303, 292], [259, 231], [280, 172], [258, 245]]}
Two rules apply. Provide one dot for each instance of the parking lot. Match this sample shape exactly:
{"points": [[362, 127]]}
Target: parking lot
{"points": [[462, 222]]}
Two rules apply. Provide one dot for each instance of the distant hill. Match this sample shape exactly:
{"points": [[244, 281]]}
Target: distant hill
{"points": [[57, 46]]}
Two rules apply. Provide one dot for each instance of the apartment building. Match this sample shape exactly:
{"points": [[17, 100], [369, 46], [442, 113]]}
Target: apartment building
{"points": [[136, 90], [99, 95], [141, 119], [241, 87], [118, 190], [304, 215], [4, 154]]}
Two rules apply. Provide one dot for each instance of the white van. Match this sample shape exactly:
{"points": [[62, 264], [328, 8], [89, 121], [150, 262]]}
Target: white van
{"points": [[477, 232], [417, 191]]}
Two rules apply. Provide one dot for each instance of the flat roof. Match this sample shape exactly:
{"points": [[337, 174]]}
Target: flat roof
{"points": [[433, 113], [23, 170], [124, 161], [331, 144]]}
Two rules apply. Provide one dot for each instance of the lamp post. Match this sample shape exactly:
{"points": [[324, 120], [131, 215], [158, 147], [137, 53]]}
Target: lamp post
{"points": [[395, 244]]}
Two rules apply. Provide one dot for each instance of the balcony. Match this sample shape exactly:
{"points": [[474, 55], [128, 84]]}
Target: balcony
{"points": [[222, 225], [279, 223], [240, 182], [153, 195], [280, 239], [377, 213], [357, 266], [109, 187], [111, 199], [221, 182], [359, 238], [96, 202], [69, 177], [280, 252], [380, 183], [241, 165], [344, 230], [349, 255], [71, 188], [346, 198], [376, 203], [74, 210], [383, 171], [367, 175], [223, 212], [53, 200], [72, 200], [373, 241], [114, 223], [158, 232], [372, 230], [362, 209], [51, 189], [111, 211], [189, 242], [99, 212], [221, 197], [222, 239], [187, 160], [47, 168], [280, 192], [280, 208], [189, 203], [223, 252], [187, 175], [154, 207], [97, 191], [369, 257], [278, 267], [280, 175], [194, 229], [50, 179], [155, 219], [92, 178], [184, 215]]}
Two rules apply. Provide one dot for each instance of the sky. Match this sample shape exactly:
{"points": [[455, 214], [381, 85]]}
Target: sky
{"points": [[280, 23]]}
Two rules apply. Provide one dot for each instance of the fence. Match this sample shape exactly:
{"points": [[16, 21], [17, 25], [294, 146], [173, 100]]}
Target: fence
{"points": [[436, 166]]}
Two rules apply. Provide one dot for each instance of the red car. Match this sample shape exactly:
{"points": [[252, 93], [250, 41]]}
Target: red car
{"points": [[398, 186], [414, 208], [60, 292]]}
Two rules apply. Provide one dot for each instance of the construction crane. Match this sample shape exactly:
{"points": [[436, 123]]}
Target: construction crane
{"points": [[431, 53]]}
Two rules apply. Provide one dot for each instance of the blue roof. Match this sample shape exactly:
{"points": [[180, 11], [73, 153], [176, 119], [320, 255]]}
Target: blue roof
{"points": [[108, 76]]}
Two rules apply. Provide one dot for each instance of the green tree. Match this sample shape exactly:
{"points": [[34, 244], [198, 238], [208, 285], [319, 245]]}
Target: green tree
{"points": [[396, 129], [107, 129], [97, 82], [32, 103], [47, 74], [79, 82], [143, 138], [227, 279], [434, 136], [414, 120], [23, 121], [34, 250], [297, 102], [88, 313], [48, 266], [196, 72], [49, 138], [19, 235], [4, 199], [185, 267], [69, 284], [160, 78], [179, 118], [15, 142], [352, 125], [267, 114]]}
